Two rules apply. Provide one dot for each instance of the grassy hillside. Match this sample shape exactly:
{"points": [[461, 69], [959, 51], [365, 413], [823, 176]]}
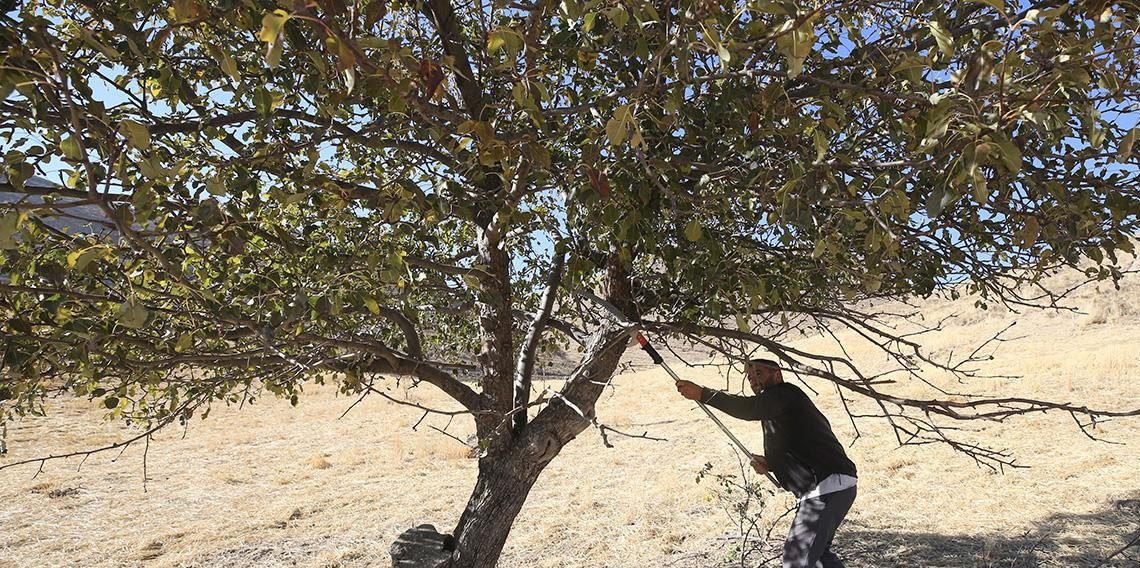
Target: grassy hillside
{"points": [[273, 485]]}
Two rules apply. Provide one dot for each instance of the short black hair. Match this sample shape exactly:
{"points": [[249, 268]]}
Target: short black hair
{"points": [[764, 363]]}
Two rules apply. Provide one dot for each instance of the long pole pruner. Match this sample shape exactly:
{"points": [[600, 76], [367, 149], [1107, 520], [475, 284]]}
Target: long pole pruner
{"points": [[653, 354]]}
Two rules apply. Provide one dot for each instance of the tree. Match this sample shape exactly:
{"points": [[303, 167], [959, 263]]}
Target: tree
{"points": [[332, 190]]}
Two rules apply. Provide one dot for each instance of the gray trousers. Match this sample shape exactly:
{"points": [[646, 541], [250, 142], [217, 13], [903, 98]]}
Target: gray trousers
{"points": [[809, 540]]}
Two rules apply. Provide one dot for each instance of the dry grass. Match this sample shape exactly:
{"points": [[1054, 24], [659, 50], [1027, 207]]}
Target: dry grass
{"points": [[273, 485]]}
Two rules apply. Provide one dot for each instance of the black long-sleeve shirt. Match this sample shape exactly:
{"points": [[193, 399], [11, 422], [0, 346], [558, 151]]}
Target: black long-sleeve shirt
{"points": [[798, 442]]}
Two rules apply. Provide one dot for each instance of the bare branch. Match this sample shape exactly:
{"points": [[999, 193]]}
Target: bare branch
{"points": [[121, 445], [909, 429]]}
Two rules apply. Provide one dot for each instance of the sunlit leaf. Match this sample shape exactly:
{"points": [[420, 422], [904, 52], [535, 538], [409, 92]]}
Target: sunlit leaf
{"points": [[693, 231], [271, 25], [138, 135], [229, 66], [795, 43], [942, 36], [1124, 149], [80, 259]]}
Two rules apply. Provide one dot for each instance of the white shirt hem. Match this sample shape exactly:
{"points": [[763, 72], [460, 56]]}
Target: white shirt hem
{"points": [[831, 484]]}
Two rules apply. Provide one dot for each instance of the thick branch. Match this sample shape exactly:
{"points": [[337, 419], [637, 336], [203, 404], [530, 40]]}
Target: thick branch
{"points": [[525, 366], [411, 335], [455, 44], [573, 410]]}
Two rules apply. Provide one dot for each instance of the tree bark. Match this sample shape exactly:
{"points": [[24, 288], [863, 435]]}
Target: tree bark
{"points": [[502, 487], [514, 459]]}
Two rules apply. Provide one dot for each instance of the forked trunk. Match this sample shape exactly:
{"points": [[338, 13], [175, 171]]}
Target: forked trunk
{"points": [[514, 461]]}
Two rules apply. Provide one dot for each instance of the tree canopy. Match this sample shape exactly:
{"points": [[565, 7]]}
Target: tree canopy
{"points": [[277, 192]]}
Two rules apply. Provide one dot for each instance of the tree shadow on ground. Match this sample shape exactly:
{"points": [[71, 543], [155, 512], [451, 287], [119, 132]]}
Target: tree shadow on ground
{"points": [[1061, 540]]}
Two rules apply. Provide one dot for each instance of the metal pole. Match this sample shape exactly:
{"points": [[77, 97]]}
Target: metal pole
{"points": [[653, 354]]}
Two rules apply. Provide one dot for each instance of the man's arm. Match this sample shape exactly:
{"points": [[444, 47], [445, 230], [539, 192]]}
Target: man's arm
{"points": [[740, 407]]}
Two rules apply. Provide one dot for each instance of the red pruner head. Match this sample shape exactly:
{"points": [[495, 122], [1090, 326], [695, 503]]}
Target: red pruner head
{"points": [[642, 340]]}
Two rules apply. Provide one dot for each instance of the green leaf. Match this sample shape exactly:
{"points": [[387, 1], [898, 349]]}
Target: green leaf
{"points": [[1009, 153], [618, 15], [138, 135], [71, 149], [372, 306], [1096, 136], [539, 155], [151, 168], [693, 231], [938, 201], [78, 260], [504, 38], [349, 74], [271, 25], [795, 43], [229, 66], [89, 38], [999, 5], [742, 322], [635, 138], [616, 130], [820, 145], [472, 282], [942, 36], [723, 54], [518, 92], [981, 190], [1124, 149], [132, 315], [9, 224], [263, 101], [495, 41], [372, 42], [273, 54], [183, 343], [588, 22], [7, 83], [110, 402], [820, 249], [937, 122], [215, 186]]}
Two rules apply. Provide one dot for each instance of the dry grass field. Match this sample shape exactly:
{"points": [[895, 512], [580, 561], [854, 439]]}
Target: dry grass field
{"points": [[272, 485]]}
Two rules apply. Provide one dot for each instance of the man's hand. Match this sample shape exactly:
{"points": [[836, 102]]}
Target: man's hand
{"points": [[689, 390], [760, 464]]}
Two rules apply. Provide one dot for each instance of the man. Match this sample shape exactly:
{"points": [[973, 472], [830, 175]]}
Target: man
{"points": [[801, 451]]}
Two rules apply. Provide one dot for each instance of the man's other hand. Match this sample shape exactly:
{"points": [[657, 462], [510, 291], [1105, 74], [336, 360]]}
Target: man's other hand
{"points": [[760, 464], [689, 390]]}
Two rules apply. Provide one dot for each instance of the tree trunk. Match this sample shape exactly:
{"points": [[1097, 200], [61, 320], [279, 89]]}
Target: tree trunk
{"points": [[504, 482], [515, 459], [505, 478]]}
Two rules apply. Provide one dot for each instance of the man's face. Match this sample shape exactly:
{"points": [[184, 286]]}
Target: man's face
{"points": [[761, 377]]}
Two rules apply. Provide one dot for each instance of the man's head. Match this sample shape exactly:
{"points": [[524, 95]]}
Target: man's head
{"points": [[763, 373]]}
